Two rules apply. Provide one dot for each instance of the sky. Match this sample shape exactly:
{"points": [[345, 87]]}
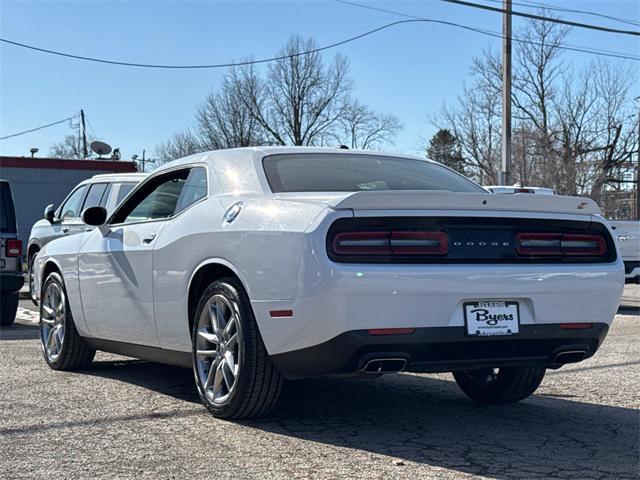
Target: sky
{"points": [[409, 70]]}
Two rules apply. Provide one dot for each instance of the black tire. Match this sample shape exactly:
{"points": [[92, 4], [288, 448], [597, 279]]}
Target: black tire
{"points": [[30, 260], [75, 353], [258, 383], [502, 385], [8, 308]]}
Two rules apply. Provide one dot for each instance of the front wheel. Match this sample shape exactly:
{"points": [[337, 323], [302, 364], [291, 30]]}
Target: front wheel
{"points": [[500, 385], [63, 348], [233, 372]]}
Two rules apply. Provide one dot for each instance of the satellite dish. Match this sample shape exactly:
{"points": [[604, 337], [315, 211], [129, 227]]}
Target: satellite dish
{"points": [[100, 148]]}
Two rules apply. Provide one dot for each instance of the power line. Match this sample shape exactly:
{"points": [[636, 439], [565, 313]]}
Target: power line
{"points": [[38, 128], [573, 48], [543, 18], [555, 8], [282, 57]]}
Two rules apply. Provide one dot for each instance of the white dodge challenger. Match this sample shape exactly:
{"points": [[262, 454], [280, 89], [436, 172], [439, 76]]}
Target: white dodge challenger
{"points": [[255, 265]]}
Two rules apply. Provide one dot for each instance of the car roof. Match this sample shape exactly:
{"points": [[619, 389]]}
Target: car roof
{"points": [[117, 177], [259, 152]]}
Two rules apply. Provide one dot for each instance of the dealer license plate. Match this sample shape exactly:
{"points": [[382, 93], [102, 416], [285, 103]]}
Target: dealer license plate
{"points": [[491, 318]]}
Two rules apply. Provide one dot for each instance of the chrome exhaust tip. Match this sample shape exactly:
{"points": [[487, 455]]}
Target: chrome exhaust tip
{"points": [[570, 356], [385, 365]]}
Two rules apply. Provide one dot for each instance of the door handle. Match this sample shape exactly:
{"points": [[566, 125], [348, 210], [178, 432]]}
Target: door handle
{"points": [[149, 238], [65, 229]]}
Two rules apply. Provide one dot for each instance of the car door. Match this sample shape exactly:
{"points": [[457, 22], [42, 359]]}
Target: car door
{"points": [[115, 264]]}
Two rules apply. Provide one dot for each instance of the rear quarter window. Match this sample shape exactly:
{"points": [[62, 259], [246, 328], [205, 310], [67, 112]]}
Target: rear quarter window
{"points": [[7, 213]]}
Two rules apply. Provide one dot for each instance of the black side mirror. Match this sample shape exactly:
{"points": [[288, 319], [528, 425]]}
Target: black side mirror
{"points": [[49, 213], [94, 216]]}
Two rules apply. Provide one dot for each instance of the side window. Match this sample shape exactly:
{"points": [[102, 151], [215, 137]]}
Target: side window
{"points": [[124, 190], [105, 196], [195, 188], [157, 199], [71, 208], [95, 195]]}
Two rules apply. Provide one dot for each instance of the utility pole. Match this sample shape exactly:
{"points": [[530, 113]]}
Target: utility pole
{"points": [[143, 161], [505, 175], [638, 169], [84, 135]]}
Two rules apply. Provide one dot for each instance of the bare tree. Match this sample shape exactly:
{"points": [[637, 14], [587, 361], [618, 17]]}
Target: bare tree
{"points": [[300, 99], [361, 128], [180, 145], [572, 129], [224, 120], [70, 148]]}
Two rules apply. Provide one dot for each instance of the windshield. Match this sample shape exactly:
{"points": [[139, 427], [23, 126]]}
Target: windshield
{"points": [[352, 173]]}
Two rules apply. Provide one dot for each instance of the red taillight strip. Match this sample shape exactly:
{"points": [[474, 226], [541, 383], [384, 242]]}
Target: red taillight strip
{"points": [[418, 243], [391, 243], [595, 244], [13, 248], [391, 331], [554, 244], [575, 326], [281, 313], [362, 243]]}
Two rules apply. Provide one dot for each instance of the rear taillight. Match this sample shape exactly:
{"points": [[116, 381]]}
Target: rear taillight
{"points": [[390, 243], [560, 244], [13, 248]]}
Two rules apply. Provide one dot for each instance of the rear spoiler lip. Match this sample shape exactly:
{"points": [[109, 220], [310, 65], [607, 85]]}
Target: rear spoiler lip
{"points": [[443, 200]]}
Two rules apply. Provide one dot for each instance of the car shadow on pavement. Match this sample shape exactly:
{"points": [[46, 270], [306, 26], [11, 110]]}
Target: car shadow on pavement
{"points": [[428, 420], [20, 331], [173, 381]]}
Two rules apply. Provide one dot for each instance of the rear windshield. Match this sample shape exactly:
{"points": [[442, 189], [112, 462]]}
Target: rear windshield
{"points": [[352, 173], [7, 214]]}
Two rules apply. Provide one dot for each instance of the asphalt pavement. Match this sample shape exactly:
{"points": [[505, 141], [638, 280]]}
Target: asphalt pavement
{"points": [[127, 418]]}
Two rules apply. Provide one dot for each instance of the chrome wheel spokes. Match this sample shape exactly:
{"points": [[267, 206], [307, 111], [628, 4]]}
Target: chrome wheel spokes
{"points": [[52, 319], [218, 348]]}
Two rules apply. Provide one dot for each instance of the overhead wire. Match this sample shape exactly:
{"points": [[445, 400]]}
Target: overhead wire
{"points": [[24, 132], [574, 48], [533, 16], [293, 55], [556, 8]]}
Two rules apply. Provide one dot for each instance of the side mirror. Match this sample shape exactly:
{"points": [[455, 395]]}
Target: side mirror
{"points": [[94, 216], [50, 213]]}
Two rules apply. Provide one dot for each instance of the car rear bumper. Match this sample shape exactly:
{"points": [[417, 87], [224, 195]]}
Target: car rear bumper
{"points": [[442, 350], [11, 281]]}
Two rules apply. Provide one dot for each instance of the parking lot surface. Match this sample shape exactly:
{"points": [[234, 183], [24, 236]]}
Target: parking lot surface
{"points": [[127, 418]]}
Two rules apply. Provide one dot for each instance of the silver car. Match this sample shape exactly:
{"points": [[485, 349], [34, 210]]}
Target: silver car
{"points": [[106, 190]]}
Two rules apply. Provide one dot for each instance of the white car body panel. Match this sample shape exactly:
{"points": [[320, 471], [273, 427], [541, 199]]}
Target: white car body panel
{"points": [[627, 234], [277, 249]]}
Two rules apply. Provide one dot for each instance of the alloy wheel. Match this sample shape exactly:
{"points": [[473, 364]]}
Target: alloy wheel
{"points": [[52, 321], [219, 348]]}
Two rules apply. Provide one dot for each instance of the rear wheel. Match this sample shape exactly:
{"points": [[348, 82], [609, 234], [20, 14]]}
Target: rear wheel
{"points": [[500, 385], [8, 308], [233, 372], [63, 348]]}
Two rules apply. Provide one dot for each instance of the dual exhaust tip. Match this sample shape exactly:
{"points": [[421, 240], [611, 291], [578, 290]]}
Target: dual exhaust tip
{"points": [[394, 365]]}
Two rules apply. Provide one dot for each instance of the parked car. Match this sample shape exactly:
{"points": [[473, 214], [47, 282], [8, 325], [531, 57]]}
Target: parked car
{"points": [[106, 190], [516, 189], [11, 277], [255, 265], [628, 235]]}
